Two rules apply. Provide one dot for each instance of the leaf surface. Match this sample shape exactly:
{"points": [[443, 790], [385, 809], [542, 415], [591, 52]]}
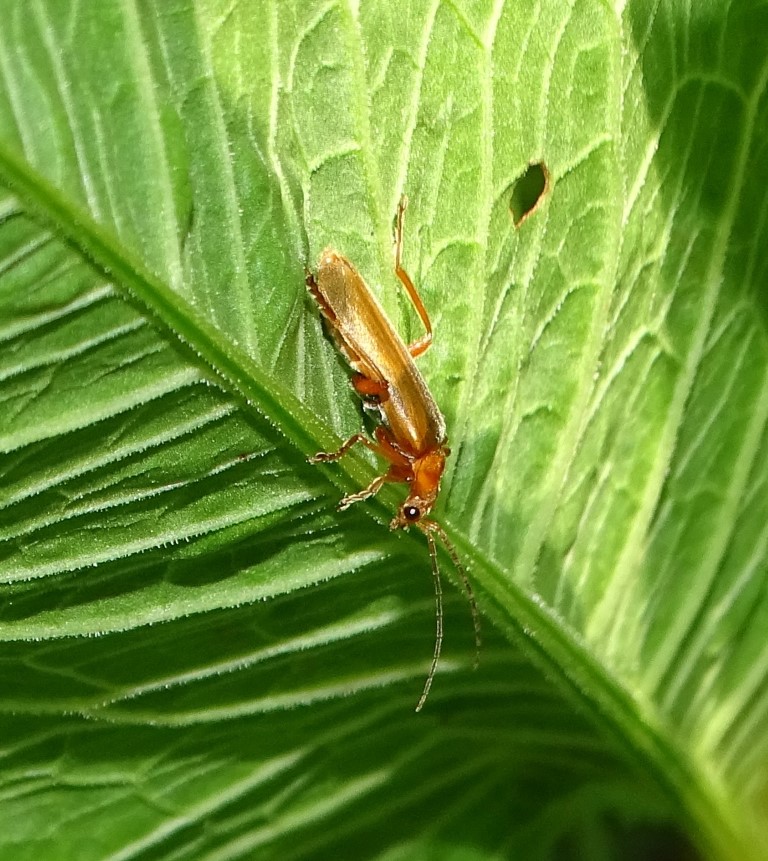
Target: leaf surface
{"points": [[167, 172]]}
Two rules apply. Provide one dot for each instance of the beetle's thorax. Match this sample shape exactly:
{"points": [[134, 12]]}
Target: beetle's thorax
{"points": [[424, 488]]}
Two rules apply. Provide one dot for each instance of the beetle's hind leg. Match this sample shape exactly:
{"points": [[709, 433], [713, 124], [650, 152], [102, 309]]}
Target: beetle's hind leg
{"points": [[373, 392], [422, 344]]}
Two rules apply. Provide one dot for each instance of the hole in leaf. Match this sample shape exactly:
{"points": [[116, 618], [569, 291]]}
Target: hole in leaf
{"points": [[528, 191]]}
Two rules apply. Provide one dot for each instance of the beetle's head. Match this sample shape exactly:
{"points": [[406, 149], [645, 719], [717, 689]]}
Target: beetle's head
{"points": [[412, 511]]}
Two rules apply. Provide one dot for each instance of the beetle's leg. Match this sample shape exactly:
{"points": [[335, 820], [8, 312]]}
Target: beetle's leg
{"points": [[422, 344], [374, 392], [398, 472], [398, 457], [325, 456], [373, 488], [400, 468]]}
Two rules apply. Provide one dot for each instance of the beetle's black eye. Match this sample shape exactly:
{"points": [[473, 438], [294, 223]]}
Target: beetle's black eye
{"points": [[412, 512]]}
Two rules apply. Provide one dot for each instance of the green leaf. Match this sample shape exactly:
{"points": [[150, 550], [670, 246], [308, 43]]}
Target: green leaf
{"points": [[199, 656]]}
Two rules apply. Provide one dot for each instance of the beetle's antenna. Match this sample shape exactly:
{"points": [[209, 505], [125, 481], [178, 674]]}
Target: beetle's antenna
{"points": [[438, 620], [432, 526]]}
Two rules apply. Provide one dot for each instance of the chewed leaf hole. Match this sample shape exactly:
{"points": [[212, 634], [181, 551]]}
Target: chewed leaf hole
{"points": [[528, 191]]}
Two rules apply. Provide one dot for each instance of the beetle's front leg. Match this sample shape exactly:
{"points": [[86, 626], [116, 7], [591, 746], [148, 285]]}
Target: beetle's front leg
{"points": [[373, 488]]}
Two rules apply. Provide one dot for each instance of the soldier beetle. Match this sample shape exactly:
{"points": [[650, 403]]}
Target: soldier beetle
{"points": [[412, 434]]}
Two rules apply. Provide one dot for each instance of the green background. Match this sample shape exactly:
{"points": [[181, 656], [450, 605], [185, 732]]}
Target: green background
{"points": [[200, 658]]}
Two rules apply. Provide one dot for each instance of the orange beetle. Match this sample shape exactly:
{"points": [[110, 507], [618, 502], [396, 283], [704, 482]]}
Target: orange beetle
{"points": [[412, 435]]}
